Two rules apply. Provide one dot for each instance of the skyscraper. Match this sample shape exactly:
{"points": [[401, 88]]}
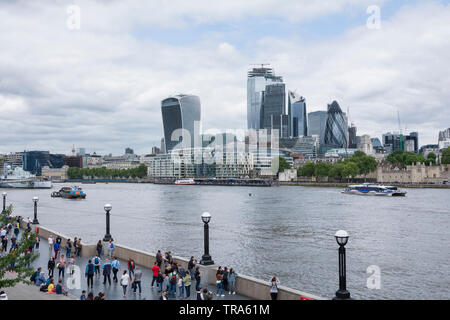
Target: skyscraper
{"points": [[273, 105], [316, 124], [180, 112], [297, 115], [352, 144], [336, 130], [257, 80]]}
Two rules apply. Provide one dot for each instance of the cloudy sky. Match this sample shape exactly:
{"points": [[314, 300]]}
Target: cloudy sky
{"points": [[99, 86]]}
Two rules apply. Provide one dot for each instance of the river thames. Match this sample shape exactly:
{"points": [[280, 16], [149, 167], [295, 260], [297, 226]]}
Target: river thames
{"points": [[283, 231]]}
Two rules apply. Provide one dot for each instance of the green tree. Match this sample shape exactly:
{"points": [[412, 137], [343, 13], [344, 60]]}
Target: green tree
{"points": [[350, 169], [283, 164], [322, 169], [431, 158], [18, 259], [446, 156], [307, 170], [336, 170]]}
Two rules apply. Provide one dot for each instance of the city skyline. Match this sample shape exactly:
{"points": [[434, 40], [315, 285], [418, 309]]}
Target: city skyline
{"points": [[100, 87]]}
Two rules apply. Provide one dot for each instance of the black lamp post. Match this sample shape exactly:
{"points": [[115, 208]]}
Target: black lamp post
{"points": [[342, 238], [4, 202], [35, 200], [206, 258], [107, 236]]}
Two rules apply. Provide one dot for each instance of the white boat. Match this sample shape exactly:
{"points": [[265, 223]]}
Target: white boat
{"points": [[185, 182], [367, 189], [19, 178]]}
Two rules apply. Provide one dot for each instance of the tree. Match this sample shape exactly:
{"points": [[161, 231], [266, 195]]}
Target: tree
{"points": [[283, 164], [322, 169], [307, 170], [446, 156], [18, 259], [336, 170], [350, 169]]}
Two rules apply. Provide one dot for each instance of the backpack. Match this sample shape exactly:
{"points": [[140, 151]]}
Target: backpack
{"points": [[90, 268], [96, 260], [173, 279], [33, 277]]}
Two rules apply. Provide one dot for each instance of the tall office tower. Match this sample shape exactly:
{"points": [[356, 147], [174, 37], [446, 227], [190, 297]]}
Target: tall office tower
{"points": [[352, 144], [257, 80], [163, 146], [316, 124], [336, 130], [280, 122], [413, 142], [180, 112], [297, 115], [273, 105]]}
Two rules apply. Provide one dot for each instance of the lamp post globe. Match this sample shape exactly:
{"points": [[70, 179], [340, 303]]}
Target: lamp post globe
{"points": [[341, 237], [206, 258], [35, 200], [107, 236]]}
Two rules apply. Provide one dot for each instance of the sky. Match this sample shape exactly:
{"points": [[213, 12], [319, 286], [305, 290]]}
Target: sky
{"points": [[93, 73]]}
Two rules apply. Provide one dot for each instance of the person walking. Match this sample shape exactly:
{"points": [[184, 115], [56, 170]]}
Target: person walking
{"points": [[232, 281], [124, 281], [89, 273], [71, 268], [99, 248], [107, 271], [115, 264], [274, 287], [137, 277], [165, 283], [187, 284], [97, 261], [37, 242], [50, 245], [159, 258], [61, 266], [68, 248], [79, 247], [51, 266], [131, 267], [75, 246], [173, 279], [225, 279], [191, 266], [56, 247], [111, 249], [155, 270], [180, 286], [219, 278], [159, 281], [197, 278]]}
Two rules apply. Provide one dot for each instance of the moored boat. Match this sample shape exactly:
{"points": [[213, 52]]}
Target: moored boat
{"points": [[367, 189], [185, 182]]}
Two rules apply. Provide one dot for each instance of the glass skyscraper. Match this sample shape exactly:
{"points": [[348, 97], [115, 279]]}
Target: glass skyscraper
{"points": [[297, 115], [336, 129], [257, 80], [317, 122], [273, 107], [180, 112]]}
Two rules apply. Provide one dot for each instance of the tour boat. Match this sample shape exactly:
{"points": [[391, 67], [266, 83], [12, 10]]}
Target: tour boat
{"points": [[71, 193], [185, 182], [367, 189]]}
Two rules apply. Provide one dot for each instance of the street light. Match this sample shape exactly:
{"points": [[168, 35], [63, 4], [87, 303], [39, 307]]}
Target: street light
{"points": [[342, 239], [206, 258], [35, 200], [4, 202], [107, 236]]}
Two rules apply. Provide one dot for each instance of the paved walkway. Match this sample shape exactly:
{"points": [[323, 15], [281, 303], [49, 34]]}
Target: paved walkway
{"points": [[115, 291]]}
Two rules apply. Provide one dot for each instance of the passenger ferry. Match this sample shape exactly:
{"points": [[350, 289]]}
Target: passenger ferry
{"points": [[185, 182], [70, 193], [367, 189]]}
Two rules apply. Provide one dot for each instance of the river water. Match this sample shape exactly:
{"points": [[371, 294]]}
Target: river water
{"points": [[284, 231]]}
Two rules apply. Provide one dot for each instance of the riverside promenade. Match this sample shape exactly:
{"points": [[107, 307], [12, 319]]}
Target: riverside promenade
{"points": [[246, 287]]}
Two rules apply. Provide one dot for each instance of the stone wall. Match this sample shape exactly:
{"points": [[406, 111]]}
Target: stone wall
{"points": [[414, 174]]}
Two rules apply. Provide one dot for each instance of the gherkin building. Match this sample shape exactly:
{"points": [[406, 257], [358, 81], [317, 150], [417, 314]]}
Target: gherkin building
{"points": [[336, 127]]}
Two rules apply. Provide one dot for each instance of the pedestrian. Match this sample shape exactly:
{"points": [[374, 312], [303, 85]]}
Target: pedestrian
{"points": [[37, 242], [99, 248], [155, 270], [173, 279], [56, 247], [51, 266], [13, 241], [187, 284], [17, 230], [191, 266], [89, 274], [83, 295], [168, 269], [159, 281], [111, 249], [115, 264], [79, 247], [75, 246], [225, 279], [107, 272], [50, 244], [60, 289], [131, 267], [61, 266], [219, 278], [166, 283], [274, 287], [197, 278], [96, 260], [180, 286], [68, 248], [137, 277], [232, 281], [90, 296], [124, 280], [159, 258], [163, 296], [71, 265]]}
